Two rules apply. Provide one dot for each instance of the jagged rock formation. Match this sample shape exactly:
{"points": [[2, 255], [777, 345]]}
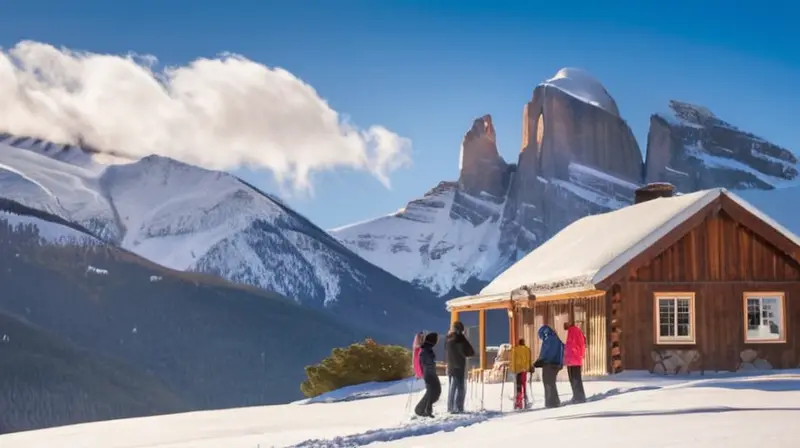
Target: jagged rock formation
{"points": [[482, 170], [691, 148], [578, 157]]}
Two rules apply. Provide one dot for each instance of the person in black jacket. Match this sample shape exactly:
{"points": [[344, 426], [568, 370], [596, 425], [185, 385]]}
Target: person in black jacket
{"points": [[458, 349], [433, 388]]}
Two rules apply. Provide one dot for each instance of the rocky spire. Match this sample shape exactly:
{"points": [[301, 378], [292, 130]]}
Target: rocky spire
{"points": [[482, 168]]}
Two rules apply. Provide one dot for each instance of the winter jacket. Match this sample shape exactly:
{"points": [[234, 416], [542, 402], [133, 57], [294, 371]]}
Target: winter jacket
{"points": [[458, 349], [520, 359], [427, 358], [575, 348], [552, 351], [417, 348]]}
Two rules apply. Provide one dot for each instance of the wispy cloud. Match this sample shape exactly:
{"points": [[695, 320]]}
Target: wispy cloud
{"points": [[222, 113]]}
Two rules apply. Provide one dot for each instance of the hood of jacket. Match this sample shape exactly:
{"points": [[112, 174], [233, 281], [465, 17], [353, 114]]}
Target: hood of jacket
{"points": [[431, 339], [545, 332]]}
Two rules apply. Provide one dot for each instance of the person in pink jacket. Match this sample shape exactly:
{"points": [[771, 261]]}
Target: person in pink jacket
{"points": [[574, 352], [417, 346]]}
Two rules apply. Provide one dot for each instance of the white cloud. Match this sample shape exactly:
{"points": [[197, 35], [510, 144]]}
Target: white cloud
{"points": [[222, 113]]}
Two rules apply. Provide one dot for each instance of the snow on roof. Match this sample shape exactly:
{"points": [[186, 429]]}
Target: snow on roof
{"points": [[595, 247], [584, 87]]}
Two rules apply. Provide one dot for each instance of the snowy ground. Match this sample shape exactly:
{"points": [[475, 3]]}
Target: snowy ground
{"points": [[634, 410]]}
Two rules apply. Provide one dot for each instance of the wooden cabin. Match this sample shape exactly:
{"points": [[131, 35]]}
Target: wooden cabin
{"points": [[672, 284]]}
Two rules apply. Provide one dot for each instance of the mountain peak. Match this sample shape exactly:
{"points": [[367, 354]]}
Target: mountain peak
{"points": [[481, 127], [482, 170], [582, 85], [689, 146]]}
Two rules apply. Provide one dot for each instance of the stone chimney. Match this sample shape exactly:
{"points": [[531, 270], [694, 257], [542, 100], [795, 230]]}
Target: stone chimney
{"points": [[652, 191]]}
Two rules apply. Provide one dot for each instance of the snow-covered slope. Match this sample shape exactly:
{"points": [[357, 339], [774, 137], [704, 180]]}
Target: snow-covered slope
{"points": [[625, 411], [694, 149], [91, 332], [191, 219], [582, 85], [440, 241], [49, 232]]}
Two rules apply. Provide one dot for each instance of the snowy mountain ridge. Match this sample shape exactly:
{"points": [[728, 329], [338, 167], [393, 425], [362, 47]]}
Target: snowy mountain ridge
{"points": [[192, 219], [578, 158]]}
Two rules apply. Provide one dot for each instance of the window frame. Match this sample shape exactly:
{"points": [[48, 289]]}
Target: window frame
{"points": [[674, 340], [781, 296]]}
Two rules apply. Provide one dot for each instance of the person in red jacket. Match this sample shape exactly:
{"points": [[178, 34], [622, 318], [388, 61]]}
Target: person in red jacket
{"points": [[574, 352]]}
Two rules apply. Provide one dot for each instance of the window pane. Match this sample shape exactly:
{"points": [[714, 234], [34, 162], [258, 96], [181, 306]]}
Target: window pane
{"points": [[753, 314], [764, 317], [683, 317], [666, 317]]}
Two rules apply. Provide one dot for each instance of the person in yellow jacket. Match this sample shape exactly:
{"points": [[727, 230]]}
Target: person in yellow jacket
{"points": [[520, 366]]}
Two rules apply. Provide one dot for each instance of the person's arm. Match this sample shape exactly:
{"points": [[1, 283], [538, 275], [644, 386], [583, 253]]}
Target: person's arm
{"points": [[469, 350]]}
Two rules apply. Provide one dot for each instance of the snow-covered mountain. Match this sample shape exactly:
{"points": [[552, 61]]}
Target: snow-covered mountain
{"points": [[89, 331], [693, 149], [578, 157], [191, 219]]}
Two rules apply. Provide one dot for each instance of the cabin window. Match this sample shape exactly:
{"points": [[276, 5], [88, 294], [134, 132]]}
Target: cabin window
{"points": [[764, 317], [674, 316]]}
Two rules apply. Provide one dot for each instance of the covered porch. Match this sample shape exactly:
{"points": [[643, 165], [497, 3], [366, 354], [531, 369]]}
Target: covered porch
{"points": [[527, 312]]}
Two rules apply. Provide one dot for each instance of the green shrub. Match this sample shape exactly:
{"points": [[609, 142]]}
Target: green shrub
{"points": [[358, 363]]}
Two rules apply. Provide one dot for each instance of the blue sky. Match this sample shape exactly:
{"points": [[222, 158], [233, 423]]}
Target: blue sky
{"points": [[426, 69]]}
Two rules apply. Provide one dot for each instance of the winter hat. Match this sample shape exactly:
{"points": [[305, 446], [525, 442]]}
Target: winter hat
{"points": [[458, 326], [432, 338]]}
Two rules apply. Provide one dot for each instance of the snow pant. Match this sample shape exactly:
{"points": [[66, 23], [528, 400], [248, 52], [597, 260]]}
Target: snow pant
{"points": [[575, 380], [521, 400], [433, 390], [457, 391], [549, 372]]}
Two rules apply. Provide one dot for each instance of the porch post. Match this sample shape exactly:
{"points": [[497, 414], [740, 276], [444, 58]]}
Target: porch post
{"points": [[453, 317], [482, 338], [512, 326]]}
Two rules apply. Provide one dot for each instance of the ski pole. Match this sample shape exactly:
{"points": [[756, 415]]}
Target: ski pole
{"points": [[530, 383], [503, 386], [483, 387]]}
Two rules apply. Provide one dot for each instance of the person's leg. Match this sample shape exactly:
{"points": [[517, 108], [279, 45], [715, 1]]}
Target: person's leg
{"points": [[571, 376], [523, 378], [462, 393], [551, 399], [422, 406], [518, 391], [436, 392], [451, 393], [578, 394]]}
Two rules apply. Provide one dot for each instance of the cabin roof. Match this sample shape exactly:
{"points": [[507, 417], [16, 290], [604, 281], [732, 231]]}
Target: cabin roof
{"points": [[594, 248]]}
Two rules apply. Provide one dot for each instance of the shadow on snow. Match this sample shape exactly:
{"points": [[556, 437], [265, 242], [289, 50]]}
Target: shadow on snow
{"points": [[709, 410], [448, 424]]}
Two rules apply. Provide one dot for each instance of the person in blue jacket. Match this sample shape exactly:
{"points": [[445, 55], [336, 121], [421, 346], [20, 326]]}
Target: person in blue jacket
{"points": [[551, 361]]}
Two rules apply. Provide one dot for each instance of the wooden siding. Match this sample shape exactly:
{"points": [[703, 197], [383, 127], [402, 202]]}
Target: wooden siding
{"points": [[719, 249], [588, 313], [718, 261], [719, 325]]}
